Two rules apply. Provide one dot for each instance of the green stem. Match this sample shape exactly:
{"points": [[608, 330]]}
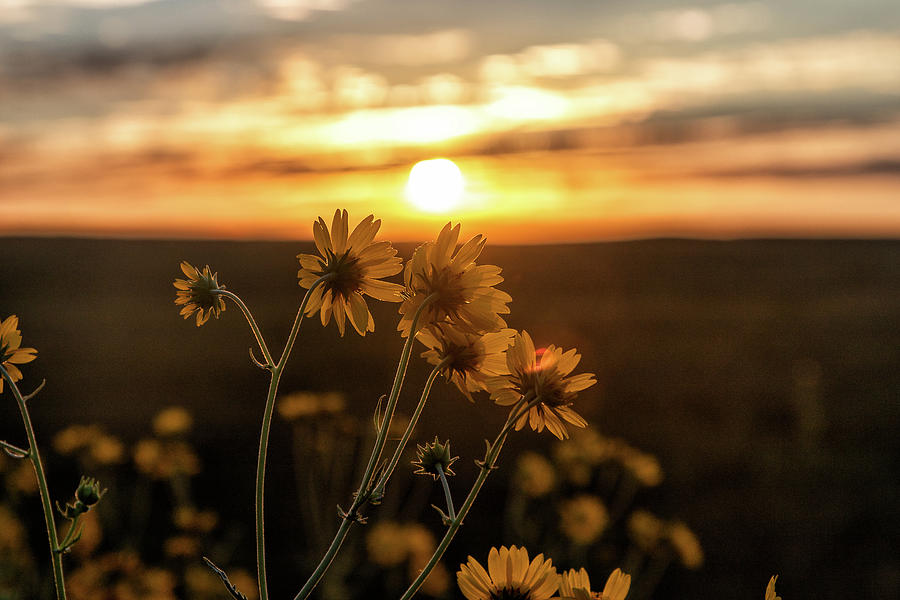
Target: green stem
{"points": [[378, 490], [35, 456], [487, 466], [267, 424], [67, 539], [363, 493], [252, 322], [450, 510]]}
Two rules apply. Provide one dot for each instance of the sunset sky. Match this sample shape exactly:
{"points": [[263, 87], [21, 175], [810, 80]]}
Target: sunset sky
{"points": [[568, 121]]}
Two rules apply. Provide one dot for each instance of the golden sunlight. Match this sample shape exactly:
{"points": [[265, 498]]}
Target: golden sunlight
{"points": [[435, 185]]}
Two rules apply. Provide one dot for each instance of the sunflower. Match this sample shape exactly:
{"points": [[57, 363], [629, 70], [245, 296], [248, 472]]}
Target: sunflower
{"points": [[509, 576], [577, 585], [464, 292], [197, 295], [471, 359], [545, 379], [10, 352], [355, 264], [770, 589]]}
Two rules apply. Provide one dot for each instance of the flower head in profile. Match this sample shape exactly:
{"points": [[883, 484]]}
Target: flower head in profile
{"points": [[197, 293], [467, 359], [545, 378], [509, 576], [577, 585], [463, 291], [432, 455], [770, 589], [11, 352], [355, 265]]}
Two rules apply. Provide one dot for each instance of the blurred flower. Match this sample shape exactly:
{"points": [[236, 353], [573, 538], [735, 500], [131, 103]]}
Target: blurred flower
{"points": [[645, 529], [645, 467], [356, 265], [10, 352], [189, 518], [471, 358], [432, 454], [420, 542], [545, 379], [577, 585], [162, 461], [686, 545], [122, 576], [386, 544], [22, 479], [196, 293], [12, 534], [583, 519], [106, 450], [465, 293], [75, 437], [172, 421], [770, 589], [181, 546], [436, 583], [509, 576], [308, 404], [534, 475]]}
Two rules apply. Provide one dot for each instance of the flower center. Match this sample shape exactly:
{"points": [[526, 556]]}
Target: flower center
{"points": [[508, 593], [463, 359], [444, 283], [547, 385], [347, 273]]}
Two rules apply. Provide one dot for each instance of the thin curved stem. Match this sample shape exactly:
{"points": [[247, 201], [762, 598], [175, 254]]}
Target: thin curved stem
{"points": [[267, 424], [363, 493], [35, 456], [450, 510], [487, 466], [413, 421], [251, 321]]}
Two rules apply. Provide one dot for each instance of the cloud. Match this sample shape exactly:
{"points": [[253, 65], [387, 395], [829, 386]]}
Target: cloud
{"points": [[695, 24], [299, 10]]}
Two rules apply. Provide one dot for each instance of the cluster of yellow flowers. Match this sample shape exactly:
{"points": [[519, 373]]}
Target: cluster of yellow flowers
{"points": [[511, 576], [459, 314]]}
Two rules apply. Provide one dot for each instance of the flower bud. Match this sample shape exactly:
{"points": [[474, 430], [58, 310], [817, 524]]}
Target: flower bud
{"points": [[88, 493]]}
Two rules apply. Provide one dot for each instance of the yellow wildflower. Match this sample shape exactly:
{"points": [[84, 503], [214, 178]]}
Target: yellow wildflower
{"points": [[509, 576], [545, 379], [468, 359], [465, 293], [645, 529], [534, 475], [10, 352], [583, 519], [386, 544], [197, 295], [172, 421], [76, 437], [686, 544], [356, 265], [770, 589], [299, 405], [577, 585], [107, 450]]}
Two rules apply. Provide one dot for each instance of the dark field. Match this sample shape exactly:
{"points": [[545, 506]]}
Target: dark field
{"points": [[764, 375]]}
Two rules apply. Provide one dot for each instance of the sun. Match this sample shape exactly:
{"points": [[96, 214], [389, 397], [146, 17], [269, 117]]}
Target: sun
{"points": [[435, 185]]}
